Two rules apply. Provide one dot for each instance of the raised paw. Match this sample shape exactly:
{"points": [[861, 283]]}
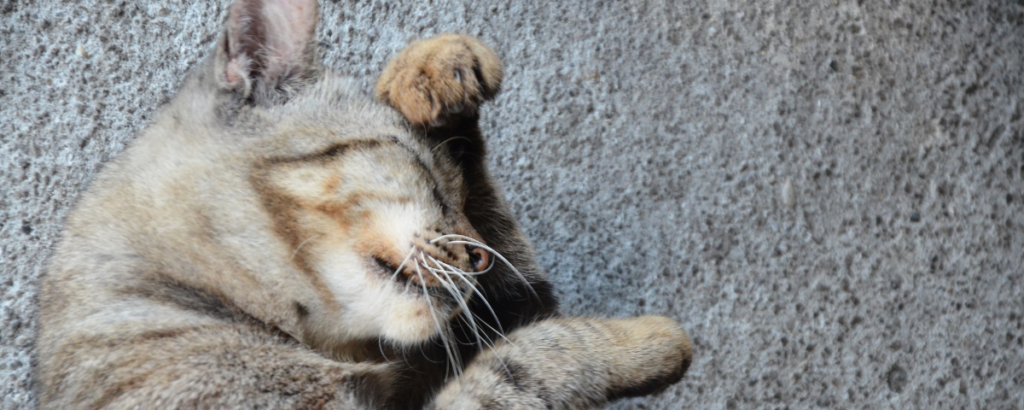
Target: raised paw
{"points": [[431, 81]]}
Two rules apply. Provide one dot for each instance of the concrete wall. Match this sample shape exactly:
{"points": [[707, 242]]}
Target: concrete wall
{"points": [[827, 194]]}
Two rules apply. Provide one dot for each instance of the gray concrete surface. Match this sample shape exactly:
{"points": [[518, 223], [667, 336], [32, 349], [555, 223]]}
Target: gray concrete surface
{"points": [[828, 195]]}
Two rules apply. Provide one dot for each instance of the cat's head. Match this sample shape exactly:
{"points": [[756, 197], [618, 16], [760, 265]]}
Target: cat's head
{"points": [[375, 221], [365, 227]]}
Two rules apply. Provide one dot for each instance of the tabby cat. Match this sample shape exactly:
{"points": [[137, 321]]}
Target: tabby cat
{"points": [[277, 239]]}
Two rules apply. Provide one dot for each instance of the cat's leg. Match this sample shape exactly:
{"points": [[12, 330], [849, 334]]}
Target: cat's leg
{"points": [[572, 363], [209, 365], [441, 80]]}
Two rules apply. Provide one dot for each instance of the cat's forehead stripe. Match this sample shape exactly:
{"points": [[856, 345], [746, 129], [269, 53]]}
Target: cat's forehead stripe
{"points": [[336, 150]]}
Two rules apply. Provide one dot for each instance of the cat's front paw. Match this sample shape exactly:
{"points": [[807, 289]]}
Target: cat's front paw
{"points": [[434, 80], [650, 353]]}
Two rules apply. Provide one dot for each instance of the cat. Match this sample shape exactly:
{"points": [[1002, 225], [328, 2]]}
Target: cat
{"points": [[277, 239]]}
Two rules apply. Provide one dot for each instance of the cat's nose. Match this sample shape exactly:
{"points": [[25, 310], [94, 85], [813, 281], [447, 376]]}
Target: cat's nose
{"points": [[479, 258], [437, 257]]}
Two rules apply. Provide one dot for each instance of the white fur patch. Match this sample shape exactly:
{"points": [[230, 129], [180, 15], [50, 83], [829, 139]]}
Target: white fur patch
{"points": [[373, 305]]}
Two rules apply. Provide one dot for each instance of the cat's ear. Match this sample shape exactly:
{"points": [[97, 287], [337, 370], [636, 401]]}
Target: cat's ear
{"points": [[268, 47]]}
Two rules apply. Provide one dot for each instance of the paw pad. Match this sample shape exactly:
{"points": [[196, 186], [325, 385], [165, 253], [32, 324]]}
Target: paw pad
{"points": [[436, 79]]}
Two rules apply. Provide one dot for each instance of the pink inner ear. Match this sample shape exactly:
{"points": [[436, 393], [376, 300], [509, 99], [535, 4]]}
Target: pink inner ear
{"points": [[236, 71], [273, 34], [290, 26]]}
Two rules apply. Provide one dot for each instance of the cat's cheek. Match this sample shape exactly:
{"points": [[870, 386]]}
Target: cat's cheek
{"points": [[358, 294], [372, 305]]}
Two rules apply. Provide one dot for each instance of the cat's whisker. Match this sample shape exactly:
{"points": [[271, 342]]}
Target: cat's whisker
{"points": [[458, 297], [444, 273], [457, 236], [446, 283], [454, 271], [441, 330], [403, 353], [399, 349], [454, 358], [497, 331], [380, 347], [499, 256], [449, 340], [469, 318], [400, 266], [483, 299], [490, 345], [438, 146], [474, 242], [296, 252]]}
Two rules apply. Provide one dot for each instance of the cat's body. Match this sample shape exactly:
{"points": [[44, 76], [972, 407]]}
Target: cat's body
{"points": [[275, 239]]}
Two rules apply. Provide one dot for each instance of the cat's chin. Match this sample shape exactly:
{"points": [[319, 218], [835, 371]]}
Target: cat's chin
{"points": [[416, 322]]}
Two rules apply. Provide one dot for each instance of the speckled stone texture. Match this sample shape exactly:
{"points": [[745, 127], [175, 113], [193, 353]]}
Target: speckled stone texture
{"points": [[828, 195]]}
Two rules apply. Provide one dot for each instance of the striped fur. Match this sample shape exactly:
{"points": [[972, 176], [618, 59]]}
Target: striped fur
{"points": [[276, 239]]}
